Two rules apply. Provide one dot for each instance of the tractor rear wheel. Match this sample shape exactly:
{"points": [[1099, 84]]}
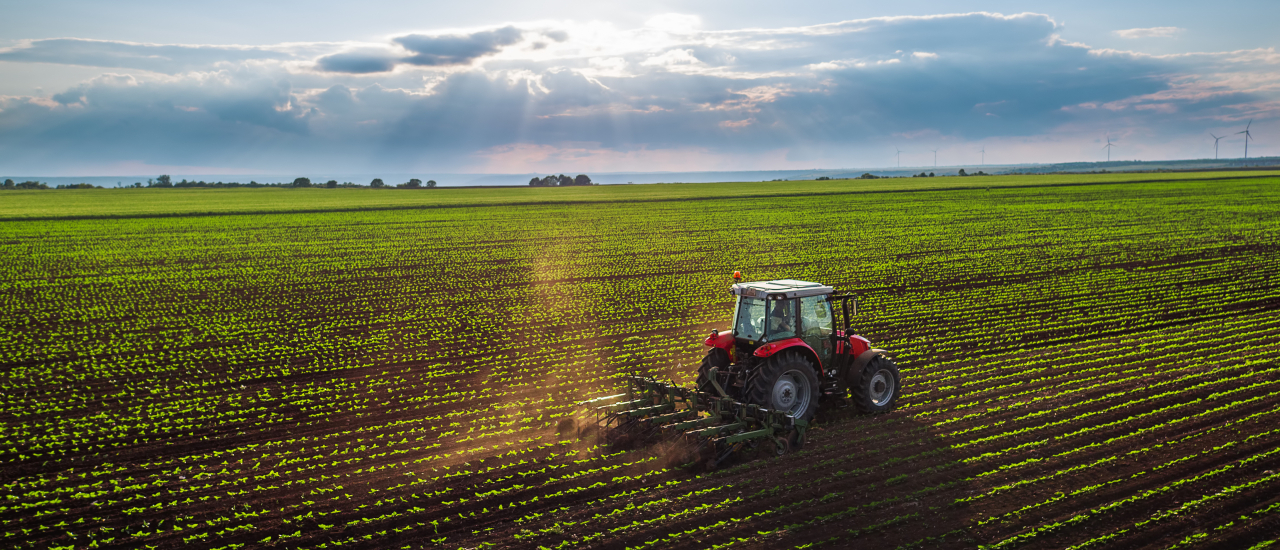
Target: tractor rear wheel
{"points": [[717, 358], [875, 389], [786, 382]]}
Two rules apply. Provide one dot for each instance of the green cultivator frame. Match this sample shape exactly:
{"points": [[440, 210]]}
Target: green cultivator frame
{"points": [[714, 426]]}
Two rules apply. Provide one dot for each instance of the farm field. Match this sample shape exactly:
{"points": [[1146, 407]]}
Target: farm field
{"points": [[171, 202], [1088, 362]]}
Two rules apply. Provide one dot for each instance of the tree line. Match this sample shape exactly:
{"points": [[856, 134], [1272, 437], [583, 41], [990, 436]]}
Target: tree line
{"points": [[165, 181], [9, 184], [561, 180]]}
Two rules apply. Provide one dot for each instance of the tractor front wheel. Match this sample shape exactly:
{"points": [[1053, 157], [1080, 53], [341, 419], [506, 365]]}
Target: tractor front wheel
{"points": [[786, 382], [875, 389]]}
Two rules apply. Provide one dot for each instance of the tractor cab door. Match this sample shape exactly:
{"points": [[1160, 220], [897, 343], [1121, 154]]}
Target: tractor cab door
{"points": [[817, 324]]}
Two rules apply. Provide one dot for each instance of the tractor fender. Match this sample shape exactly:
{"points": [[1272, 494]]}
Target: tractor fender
{"points": [[772, 348], [722, 340], [860, 362], [857, 345]]}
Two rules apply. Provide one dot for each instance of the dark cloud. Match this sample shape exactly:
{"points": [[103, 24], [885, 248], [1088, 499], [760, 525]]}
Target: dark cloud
{"points": [[186, 122], [427, 51], [161, 58], [356, 63], [431, 51]]}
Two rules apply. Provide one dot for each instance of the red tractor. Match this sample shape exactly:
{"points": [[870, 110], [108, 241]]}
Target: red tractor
{"points": [[786, 351]]}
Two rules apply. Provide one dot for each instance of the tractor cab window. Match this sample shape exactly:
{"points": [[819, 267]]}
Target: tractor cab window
{"points": [[816, 320], [750, 322], [782, 320]]}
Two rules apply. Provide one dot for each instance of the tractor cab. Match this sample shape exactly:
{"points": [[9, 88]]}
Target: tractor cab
{"points": [[775, 311]]}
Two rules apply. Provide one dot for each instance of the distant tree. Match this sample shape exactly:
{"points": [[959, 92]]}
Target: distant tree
{"points": [[411, 184], [535, 181], [302, 182], [582, 179], [868, 176], [564, 180], [550, 181], [8, 184], [823, 178], [377, 183], [962, 172], [931, 174], [32, 185], [331, 184], [431, 183], [164, 181]]}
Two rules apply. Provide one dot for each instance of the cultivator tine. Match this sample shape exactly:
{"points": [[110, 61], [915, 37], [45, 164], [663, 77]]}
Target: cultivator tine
{"points": [[663, 419], [623, 406], [746, 436], [726, 454], [700, 422], [708, 433]]}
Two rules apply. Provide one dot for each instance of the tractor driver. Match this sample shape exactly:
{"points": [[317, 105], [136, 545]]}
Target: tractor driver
{"points": [[782, 323]]}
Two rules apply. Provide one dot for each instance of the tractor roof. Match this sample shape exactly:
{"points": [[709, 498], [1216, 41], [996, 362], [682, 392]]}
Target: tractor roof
{"points": [[784, 288]]}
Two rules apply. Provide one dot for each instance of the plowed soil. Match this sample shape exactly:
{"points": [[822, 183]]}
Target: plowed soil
{"points": [[1083, 366]]}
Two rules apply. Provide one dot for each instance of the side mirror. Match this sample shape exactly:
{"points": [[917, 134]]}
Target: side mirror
{"points": [[848, 316]]}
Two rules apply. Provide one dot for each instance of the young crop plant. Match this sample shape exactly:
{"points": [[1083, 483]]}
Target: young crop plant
{"points": [[1088, 359]]}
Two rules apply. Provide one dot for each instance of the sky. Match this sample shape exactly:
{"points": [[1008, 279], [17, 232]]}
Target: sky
{"points": [[128, 87]]}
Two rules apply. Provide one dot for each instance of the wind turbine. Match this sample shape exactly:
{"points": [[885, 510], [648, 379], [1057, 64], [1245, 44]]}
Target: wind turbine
{"points": [[1247, 137], [899, 156], [1108, 147], [984, 154], [1215, 145], [935, 158]]}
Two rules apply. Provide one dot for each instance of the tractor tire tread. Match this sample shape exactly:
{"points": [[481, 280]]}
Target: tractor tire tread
{"points": [[860, 390], [760, 386], [715, 358]]}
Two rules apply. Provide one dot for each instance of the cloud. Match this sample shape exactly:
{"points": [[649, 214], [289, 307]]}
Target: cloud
{"points": [[667, 95], [1150, 32], [673, 58], [426, 51], [358, 62], [433, 51], [161, 58]]}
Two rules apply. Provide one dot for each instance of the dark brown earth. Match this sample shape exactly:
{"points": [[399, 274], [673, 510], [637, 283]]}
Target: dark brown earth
{"points": [[1074, 375]]}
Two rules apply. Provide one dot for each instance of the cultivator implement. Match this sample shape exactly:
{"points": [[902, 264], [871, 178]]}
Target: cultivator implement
{"points": [[713, 425]]}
